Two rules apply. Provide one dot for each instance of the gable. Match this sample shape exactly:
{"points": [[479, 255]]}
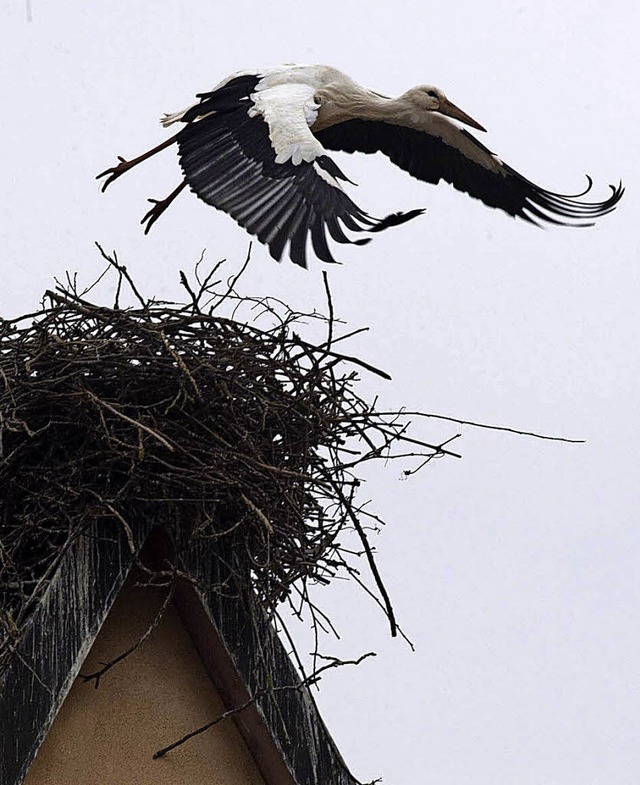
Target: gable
{"points": [[153, 697], [234, 638]]}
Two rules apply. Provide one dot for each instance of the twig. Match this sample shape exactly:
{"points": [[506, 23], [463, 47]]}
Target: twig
{"points": [[97, 675], [123, 271], [325, 279], [234, 280], [348, 507], [256, 697], [258, 512], [131, 421], [475, 424]]}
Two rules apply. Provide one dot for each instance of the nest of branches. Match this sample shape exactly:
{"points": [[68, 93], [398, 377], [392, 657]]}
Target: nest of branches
{"points": [[230, 431]]}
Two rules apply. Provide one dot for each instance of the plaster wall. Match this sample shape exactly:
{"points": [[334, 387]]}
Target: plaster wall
{"points": [[153, 697]]}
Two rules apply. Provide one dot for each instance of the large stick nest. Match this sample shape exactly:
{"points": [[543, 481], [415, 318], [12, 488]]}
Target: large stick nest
{"points": [[173, 412]]}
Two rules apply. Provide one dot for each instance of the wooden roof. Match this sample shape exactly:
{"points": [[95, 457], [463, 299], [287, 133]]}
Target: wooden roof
{"points": [[239, 647]]}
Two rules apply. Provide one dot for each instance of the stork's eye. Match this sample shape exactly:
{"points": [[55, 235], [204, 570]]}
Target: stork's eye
{"points": [[432, 93]]}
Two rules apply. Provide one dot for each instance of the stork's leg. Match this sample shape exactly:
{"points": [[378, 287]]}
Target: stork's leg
{"points": [[125, 165], [159, 206]]}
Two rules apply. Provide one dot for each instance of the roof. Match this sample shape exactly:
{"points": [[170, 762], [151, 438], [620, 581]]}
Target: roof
{"points": [[238, 645]]}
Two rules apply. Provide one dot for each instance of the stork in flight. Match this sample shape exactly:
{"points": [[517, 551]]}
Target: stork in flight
{"points": [[256, 147]]}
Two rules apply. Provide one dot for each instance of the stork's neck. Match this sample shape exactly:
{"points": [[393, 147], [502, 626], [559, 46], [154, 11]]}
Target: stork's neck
{"points": [[338, 104]]}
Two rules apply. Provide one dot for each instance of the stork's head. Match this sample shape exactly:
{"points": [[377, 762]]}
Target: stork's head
{"points": [[432, 99]]}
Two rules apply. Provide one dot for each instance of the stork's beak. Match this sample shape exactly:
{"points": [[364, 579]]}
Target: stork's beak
{"points": [[451, 110]]}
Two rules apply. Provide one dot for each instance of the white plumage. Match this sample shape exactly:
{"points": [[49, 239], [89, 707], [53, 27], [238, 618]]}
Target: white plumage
{"points": [[289, 110], [256, 146]]}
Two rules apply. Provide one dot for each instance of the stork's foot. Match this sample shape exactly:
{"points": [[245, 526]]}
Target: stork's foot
{"points": [[124, 165], [159, 206], [115, 171]]}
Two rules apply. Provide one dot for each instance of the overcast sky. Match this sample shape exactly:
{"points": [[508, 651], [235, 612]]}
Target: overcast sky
{"points": [[514, 570]]}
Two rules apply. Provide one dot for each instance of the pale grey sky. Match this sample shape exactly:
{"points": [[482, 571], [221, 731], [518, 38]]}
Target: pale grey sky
{"points": [[514, 571]]}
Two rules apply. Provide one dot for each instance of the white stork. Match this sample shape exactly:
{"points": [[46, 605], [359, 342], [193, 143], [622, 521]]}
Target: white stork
{"points": [[256, 147]]}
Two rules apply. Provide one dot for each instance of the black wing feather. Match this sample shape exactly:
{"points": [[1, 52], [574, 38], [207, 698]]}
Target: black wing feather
{"points": [[431, 159], [229, 163]]}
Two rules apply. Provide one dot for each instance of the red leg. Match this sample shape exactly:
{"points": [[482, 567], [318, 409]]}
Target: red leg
{"points": [[125, 165], [159, 206]]}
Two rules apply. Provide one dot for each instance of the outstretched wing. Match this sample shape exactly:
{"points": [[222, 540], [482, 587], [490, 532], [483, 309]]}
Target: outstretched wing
{"points": [[443, 151], [250, 153]]}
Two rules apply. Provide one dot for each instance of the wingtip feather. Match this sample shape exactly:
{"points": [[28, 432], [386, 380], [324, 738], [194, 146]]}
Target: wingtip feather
{"points": [[395, 219]]}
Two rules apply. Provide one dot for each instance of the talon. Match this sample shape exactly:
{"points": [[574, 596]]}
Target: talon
{"points": [[124, 165], [152, 215], [159, 206], [115, 171]]}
